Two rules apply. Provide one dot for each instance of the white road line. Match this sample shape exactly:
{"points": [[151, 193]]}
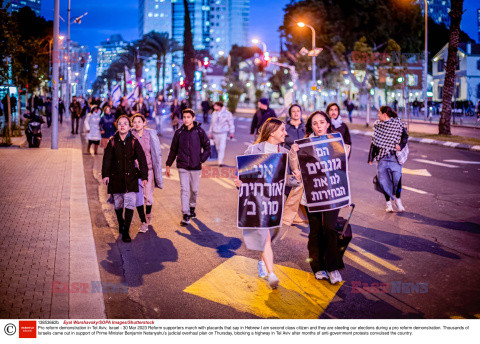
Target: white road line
{"points": [[463, 162], [222, 183], [415, 190], [435, 163]]}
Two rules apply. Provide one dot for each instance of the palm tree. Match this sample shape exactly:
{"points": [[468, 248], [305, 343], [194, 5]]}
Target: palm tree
{"points": [[157, 43], [449, 82], [131, 58]]}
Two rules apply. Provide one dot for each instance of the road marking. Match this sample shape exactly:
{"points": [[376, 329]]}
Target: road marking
{"points": [[420, 172], [435, 163], [235, 283], [222, 183], [242, 126], [228, 181], [376, 259], [363, 263], [164, 146], [415, 190], [463, 162]]}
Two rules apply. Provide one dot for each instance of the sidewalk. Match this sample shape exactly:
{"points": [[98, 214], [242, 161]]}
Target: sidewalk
{"points": [[48, 262]]}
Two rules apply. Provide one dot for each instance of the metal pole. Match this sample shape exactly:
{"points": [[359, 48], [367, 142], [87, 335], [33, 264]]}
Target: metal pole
{"points": [[68, 59], [314, 68], [55, 65], [425, 64]]}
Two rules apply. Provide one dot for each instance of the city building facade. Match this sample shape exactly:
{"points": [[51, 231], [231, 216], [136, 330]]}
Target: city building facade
{"points": [[108, 51], [35, 5]]}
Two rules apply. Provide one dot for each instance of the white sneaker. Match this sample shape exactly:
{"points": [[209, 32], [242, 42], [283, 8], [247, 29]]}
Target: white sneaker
{"points": [[262, 269], [335, 277], [398, 203], [143, 228], [321, 275], [389, 207], [149, 218], [273, 280]]}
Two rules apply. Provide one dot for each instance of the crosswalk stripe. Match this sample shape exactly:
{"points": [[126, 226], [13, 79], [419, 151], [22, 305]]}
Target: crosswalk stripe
{"points": [[419, 172], [414, 190], [376, 259], [435, 163], [363, 263], [222, 183], [463, 162]]}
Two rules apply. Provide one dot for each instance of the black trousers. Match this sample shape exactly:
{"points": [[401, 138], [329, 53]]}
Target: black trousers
{"points": [[322, 241], [75, 120]]}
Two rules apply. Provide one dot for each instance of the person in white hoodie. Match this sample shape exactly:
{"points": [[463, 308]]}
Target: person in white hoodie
{"points": [[220, 127]]}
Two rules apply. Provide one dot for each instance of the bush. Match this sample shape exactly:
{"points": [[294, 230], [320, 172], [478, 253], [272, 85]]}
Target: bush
{"points": [[234, 94]]}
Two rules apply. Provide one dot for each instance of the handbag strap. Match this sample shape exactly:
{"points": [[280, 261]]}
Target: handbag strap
{"points": [[352, 207]]}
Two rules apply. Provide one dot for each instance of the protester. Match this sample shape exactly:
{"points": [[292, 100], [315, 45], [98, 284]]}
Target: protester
{"points": [[120, 174], [206, 109], [61, 110], [158, 109], [48, 111], [389, 136], [153, 152], [191, 148], [272, 136], [92, 126], [183, 105], [107, 126], [175, 113], [122, 109], [221, 126], [263, 113], [140, 107], [324, 258], [333, 111], [349, 106], [75, 111], [295, 126]]}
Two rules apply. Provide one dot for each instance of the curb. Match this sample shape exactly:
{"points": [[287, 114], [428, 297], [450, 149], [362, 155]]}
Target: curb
{"points": [[475, 148]]}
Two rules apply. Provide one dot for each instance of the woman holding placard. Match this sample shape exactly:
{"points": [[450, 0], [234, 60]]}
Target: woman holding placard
{"points": [[324, 258], [272, 135]]}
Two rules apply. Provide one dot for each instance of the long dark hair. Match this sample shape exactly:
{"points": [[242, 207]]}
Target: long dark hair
{"points": [[389, 111], [308, 126]]}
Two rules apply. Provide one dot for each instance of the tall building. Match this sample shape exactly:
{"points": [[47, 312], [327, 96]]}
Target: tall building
{"points": [[228, 24], [107, 52], [216, 26], [35, 5], [438, 10], [478, 24]]}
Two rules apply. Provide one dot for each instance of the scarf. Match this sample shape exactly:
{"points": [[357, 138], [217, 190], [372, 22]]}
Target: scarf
{"points": [[386, 135], [337, 122]]}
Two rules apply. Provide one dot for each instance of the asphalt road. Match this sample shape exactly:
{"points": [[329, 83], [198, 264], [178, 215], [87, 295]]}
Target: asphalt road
{"points": [[423, 263]]}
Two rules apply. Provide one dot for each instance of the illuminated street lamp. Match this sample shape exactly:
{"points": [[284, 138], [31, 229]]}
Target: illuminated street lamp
{"points": [[256, 42], [314, 65]]}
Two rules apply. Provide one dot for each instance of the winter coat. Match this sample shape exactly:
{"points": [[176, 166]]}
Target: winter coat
{"points": [[107, 125], [156, 153], [119, 164], [191, 148], [92, 125], [259, 118], [75, 109], [294, 133], [222, 122], [343, 129], [374, 150]]}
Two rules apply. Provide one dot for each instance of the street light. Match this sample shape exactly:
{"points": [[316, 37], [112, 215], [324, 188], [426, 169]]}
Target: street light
{"points": [[314, 47], [425, 63], [256, 41]]}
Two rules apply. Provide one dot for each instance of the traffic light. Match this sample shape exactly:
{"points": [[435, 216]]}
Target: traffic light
{"points": [[206, 61], [266, 57], [182, 82]]}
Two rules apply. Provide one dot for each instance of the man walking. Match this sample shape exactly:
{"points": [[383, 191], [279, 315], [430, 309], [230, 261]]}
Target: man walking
{"points": [[220, 127], [141, 108], [48, 111], [75, 111], [205, 109], [191, 148], [159, 108], [263, 113]]}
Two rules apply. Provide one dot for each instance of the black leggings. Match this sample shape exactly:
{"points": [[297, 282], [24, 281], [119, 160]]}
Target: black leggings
{"points": [[322, 241]]}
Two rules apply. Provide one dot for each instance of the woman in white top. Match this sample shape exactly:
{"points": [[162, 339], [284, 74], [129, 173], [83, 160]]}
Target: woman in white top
{"points": [[272, 135], [92, 125]]}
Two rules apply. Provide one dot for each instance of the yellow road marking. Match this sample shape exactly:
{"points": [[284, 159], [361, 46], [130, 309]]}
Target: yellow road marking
{"points": [[222, 183], [376, 259], [420, 172], [235, 283], [228, 181], [363, 263]]}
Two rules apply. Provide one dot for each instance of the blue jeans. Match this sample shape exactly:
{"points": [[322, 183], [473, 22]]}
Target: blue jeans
{"points": [[158, 123], [389, 174]]}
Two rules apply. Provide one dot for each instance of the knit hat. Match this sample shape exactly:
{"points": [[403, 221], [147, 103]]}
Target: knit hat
{"points": [[264, 101]]}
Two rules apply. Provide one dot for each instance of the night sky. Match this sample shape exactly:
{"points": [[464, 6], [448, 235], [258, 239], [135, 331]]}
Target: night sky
{"points": [[107, 17]]}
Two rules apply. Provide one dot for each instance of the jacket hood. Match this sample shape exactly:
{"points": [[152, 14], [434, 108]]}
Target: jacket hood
{"points": [[195, 125]]}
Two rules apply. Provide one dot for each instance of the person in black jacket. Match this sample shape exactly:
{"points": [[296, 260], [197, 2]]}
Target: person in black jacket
{"points": [[191, 148], [263, 113], [141, 108], [120, 174], [333, 111], [295, 126]]}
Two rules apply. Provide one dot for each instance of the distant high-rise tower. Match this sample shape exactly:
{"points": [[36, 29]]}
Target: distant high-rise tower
{"points": [[438, 10], [108, 51], [478, 24], [35, 5]]}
